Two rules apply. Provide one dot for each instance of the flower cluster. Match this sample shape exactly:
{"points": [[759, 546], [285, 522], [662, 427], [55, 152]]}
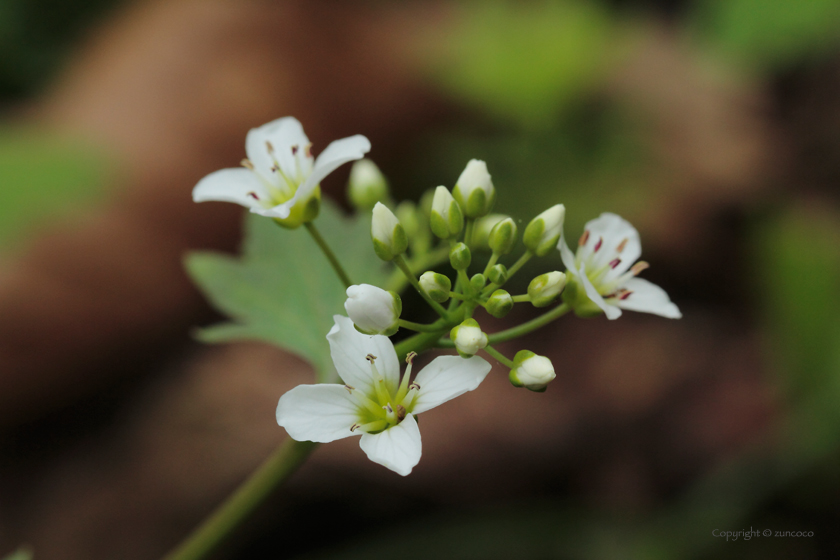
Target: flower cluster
{"points": [[280, 179]]}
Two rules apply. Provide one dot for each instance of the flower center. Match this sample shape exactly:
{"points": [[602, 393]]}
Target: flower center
{"points": [[282, 184], [382, 409], [610, 286]]}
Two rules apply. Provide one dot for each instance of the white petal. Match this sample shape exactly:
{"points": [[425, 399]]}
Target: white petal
{"points": [[319, 413], [648, 298], [448, 377], [348, 348], [337, 153], [398, 448], [611, 230], [231, 185], [611, 311], [283, 134], [567, 255]]}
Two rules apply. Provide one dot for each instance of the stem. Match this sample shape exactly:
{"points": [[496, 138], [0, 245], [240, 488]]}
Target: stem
{"points": [[521, 298], [400, 262], [434, 327], [418, 343], [491, 263], [313, 231], [518, 330], [520, 263], [253, 492], [499, 356], [421, 263], [468, 231]]}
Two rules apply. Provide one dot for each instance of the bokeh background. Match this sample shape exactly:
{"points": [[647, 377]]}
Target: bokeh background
{"points": [[712, 125]]}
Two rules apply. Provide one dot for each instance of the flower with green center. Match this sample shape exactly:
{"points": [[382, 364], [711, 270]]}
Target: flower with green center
{"points": [[375, 402], [601, 275], [280, 179]]}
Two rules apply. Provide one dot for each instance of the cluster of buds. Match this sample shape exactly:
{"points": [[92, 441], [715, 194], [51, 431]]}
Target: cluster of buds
{"points": [[460, 220]]}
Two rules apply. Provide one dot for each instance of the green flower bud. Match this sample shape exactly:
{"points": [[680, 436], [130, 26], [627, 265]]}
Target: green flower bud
{"points": [[498, 274], [468, 338], [477, 282], [543, 233], [531, 371], [482, 228], [389, 239], [460, 256], [474, 190], [503, 237], [499, 304], [437, 286], [367, 185], [546, 287], [446, 219]]}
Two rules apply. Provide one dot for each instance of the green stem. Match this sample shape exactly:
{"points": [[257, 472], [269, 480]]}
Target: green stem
{"points": [[519, 330], [216, 528], [313, 231], [468, 232], [417, 343], [434, 327], [499, 356], [520, 263], [419, 264], [491, 263], [521, 298], [399, 260]]}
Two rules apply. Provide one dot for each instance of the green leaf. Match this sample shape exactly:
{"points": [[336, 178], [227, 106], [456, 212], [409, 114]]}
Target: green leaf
{"points": [[23, 553], [282, 289]]}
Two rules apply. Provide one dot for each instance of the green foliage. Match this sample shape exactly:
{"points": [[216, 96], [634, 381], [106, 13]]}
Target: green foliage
{"points": [[43, 175], [282, 290], [22, 553], [770, 33], [523, 63]]}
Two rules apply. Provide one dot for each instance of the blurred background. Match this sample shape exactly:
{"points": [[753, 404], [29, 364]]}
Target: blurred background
{"points": [[712, 125]]}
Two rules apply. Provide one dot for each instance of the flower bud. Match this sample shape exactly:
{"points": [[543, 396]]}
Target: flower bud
{"points": [[460, 256], [446, 219], [481, 230], [499, 304], [531, 371], [437, 286], [474, 190], [498, 274], [477, 282], [503, 237], [367, 185], [468, 338], [409, 216], [389, 239], [373, 310], [546, 287], [543, 233]]}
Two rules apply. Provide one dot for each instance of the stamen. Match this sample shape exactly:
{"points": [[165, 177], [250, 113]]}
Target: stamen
{"points": [[270, 147], [355, 427], [400, 413], [246, 163], [294, 150], [350, 388], [638, 267], [583, 238], [390, 415], [614, 263], [624, 295], [414, 386], [375, 426], [370, 357], [622, 245], [598, 245], [409, 358], [307, 150], [253, 195]]}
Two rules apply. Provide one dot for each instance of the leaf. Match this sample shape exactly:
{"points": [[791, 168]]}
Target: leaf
{"points": [[282, 290], [23, 553]]}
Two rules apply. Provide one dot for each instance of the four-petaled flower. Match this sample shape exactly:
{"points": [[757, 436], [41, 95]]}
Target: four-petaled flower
{"points": [[602, 276], [375, 401], [280, 179]]}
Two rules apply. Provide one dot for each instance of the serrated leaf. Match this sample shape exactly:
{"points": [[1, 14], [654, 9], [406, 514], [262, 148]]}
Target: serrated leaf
{"points": [[282, 289]]}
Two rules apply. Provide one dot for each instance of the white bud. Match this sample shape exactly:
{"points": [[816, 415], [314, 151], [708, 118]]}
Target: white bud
{"points": [[543, 233], [446, 218], [474, 190], [389, 239], [546, 287], [531, 371], [367, 185], [468, 338], [373, 310], [436, 286]]}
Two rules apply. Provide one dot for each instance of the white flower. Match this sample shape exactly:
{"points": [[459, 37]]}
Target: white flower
{"points": [[602, 272], [375, 402], [280, 179], [373, 310]]}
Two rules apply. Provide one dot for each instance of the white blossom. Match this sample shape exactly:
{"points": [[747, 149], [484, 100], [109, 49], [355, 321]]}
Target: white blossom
{"points": [[602, 275], [375, 402], [280, 179]]}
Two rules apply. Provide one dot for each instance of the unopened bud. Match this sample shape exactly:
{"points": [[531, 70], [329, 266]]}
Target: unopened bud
{"points": [[468, 338], [367, 185], [546, 287], [543, 233], [460, 256], [531, 371], [437, 286], [373, 310], [446, 219], [498, 274], [503, 237], [474, 190], [499, 304], [477, 282], [408, 215], [481, 231], [389, 239]]}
